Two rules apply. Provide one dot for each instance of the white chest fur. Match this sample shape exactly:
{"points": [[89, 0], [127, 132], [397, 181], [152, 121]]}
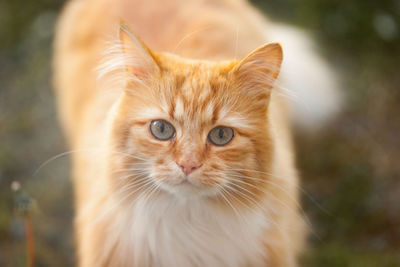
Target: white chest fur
{"points": [[168, 231]]}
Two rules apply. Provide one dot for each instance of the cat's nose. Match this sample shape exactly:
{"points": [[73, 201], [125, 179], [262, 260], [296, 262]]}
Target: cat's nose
{"points": [[188, 166]]}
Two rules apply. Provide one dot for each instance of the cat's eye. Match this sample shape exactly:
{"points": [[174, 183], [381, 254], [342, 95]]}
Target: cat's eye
{"points": [[162, 129], [220, 135]]}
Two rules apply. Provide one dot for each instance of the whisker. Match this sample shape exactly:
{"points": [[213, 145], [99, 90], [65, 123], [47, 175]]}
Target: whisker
{"points": [[302, 213], [222, 190], [252, 210], [189, 35], [80, 151], [244, 195], [271, 183], [143, 183], [236, 41], [297, 186], [127, 170], [254, 202]]}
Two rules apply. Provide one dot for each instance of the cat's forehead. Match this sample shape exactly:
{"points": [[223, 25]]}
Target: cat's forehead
{"points": [[195, 94], [196, 98], [201, 97]]}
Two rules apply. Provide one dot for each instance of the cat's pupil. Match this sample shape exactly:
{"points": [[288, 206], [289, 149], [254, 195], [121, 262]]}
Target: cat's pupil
{"points": [[162, 127], [221, 133]]}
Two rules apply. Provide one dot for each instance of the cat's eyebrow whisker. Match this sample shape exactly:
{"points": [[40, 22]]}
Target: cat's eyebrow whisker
{"points": [[236, 41], [189, 35]]}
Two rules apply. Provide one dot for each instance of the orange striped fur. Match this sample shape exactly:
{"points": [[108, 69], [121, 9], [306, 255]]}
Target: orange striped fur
{"points": [[135, 205]]}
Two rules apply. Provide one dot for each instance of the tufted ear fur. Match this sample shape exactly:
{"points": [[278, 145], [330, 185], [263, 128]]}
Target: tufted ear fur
{"points": [[257, 72], [139, 59]]}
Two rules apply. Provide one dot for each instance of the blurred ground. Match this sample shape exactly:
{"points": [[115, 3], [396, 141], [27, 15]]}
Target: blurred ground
{"points": [[350, 169]]}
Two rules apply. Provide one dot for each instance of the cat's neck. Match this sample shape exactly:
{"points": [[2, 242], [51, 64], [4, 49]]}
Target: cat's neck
{"points": [[192, 232]]}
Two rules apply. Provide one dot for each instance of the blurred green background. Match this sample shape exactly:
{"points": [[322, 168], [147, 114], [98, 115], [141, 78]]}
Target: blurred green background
{"points": [[350, 169]]}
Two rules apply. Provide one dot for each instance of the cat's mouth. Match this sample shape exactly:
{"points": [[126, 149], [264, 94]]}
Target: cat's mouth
{"points": [[185, 182], [187, 185]]}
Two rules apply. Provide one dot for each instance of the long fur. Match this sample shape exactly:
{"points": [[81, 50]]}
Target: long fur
{"points": [[134, 206]]}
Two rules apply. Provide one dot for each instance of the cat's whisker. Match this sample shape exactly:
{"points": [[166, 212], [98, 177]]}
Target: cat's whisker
{"points": [[66, 153], [230, 194], [134, 170], [254, 211], [134, 175], [281, 188], [138, 183], [260, 190], [149, 192], [222, 193], [141, 184], [231, 187], [291, 209], [248, 177], [274, 176], [297, 186], [302, 212], [255, 203], [123, 179], [287, 193]]}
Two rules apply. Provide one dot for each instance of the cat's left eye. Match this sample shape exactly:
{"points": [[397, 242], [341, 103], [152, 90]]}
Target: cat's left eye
{"points": [[220, 135], [162, 129]]}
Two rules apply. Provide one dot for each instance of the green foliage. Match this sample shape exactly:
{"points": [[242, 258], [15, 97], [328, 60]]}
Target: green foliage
{"points": [[16, 17], [341, 255]]}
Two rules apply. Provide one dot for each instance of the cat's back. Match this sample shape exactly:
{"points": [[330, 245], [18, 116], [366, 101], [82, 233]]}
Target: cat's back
{"points": [[200, 29]]}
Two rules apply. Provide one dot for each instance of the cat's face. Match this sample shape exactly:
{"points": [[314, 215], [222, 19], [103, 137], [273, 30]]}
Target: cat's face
{"points": [[195, 128]]}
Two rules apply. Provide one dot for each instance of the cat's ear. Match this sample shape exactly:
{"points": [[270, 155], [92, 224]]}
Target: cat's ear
{"points": [[257, 72], [139, 60]]}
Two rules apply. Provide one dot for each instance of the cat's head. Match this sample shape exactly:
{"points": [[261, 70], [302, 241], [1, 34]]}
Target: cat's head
{"points": [[193, 128]]}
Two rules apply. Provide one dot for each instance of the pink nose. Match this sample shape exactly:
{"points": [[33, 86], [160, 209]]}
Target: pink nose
{"points": [[188, 166]]}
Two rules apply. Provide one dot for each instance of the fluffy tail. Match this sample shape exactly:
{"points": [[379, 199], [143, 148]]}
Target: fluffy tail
{"points": [[311, 84]]}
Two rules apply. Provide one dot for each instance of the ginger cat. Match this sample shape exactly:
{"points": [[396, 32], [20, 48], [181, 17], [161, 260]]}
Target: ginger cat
{"points": [[179, 162]]}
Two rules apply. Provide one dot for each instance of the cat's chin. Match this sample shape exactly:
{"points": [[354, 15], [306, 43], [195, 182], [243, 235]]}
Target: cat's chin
{"points": [[187, 188]]}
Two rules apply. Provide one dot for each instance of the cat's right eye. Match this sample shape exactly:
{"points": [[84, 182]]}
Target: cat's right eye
{"points": [[162, 130]]}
